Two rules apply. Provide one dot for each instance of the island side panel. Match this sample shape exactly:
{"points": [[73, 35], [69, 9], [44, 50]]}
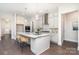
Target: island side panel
{"points": [[41, 44]]}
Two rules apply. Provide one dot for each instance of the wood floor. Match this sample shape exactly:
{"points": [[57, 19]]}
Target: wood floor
{"points": [[9, 47]]}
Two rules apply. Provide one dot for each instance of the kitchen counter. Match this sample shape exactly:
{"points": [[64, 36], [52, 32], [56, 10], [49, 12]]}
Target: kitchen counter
{"points": [[39, 43], [33, 35]]}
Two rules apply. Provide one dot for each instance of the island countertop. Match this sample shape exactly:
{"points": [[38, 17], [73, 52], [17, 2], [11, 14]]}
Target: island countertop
{"points": [[32, 35], [38, 43]]}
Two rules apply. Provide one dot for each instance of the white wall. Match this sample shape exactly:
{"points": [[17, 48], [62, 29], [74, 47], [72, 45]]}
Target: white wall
{"points": [[70, 34]]}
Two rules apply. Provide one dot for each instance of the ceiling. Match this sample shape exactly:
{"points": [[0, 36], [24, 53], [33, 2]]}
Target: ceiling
{"points": [[30, 8]]}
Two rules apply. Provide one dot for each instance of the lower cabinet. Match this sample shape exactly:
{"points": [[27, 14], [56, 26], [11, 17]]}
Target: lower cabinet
{"points": [[54, 38]]}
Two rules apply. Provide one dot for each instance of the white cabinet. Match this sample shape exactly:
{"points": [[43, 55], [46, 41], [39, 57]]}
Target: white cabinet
{"points": [[54, 37]]}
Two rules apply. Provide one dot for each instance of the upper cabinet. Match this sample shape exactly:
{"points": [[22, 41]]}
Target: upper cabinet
{"points": [[22, 20], [53, 20]]}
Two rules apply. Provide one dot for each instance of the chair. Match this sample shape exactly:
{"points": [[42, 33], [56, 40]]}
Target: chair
{"points": [[22, 41]]}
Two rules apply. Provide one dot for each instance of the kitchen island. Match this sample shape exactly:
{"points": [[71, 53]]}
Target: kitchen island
{"points": [[39, 43]]}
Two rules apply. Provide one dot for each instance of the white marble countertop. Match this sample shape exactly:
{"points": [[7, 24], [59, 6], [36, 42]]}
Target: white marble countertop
{"points": [[32, 35]]}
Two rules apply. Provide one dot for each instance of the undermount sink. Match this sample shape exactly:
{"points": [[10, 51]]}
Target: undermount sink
{"points": [[36, 33]]}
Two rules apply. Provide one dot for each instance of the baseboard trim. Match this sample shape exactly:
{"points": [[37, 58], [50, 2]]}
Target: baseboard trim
{"points": [[70, 40], [40, 52]]}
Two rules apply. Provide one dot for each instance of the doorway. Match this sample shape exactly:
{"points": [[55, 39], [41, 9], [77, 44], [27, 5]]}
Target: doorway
{"points": [[70, 28], [5, 28]]}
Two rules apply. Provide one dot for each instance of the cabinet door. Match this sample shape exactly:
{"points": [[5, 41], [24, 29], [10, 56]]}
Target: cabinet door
{"points": [[54, 38], [19, 28]]}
